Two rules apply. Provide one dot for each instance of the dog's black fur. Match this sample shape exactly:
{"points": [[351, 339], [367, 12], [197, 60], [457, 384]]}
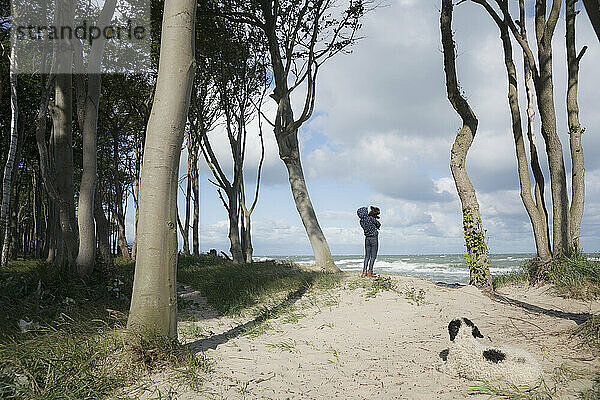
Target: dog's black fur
{"points": [[494, 355], [454, 326]]}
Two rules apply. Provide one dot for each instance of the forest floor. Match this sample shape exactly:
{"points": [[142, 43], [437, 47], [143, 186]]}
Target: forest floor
{"points": [[379, 338]]}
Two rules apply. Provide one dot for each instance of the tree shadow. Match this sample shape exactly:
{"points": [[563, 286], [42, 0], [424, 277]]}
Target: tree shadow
{"points": [[216, 340], [578, 318]]}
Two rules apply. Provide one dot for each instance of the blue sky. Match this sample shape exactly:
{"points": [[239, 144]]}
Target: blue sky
{"points": [[381, 135]]}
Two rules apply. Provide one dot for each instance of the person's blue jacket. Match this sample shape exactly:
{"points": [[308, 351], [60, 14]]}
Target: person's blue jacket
{"points": [[369, 224]]}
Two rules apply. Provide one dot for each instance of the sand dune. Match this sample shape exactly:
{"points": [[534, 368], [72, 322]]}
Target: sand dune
{"points": [[339, 344]]}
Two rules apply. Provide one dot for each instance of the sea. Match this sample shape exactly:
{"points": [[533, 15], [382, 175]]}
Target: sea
{"points": [[447, 268]]}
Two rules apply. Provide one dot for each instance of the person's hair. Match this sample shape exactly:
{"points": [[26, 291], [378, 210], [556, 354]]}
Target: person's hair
{"points": [[374, 212]]}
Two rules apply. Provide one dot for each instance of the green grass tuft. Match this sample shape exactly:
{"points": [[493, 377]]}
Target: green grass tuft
{"points": [[372, 286], [61, 337], [589, 332], [510, 391], [233, 289], [573, 276]]}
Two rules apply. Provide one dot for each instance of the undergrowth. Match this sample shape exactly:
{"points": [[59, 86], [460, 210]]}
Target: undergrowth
{"points": [[510, 391], [61, 337], [573, 276], [233, 289]]}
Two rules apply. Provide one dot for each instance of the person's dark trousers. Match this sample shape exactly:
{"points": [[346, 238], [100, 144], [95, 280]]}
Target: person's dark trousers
{"points": [[371, 247]]}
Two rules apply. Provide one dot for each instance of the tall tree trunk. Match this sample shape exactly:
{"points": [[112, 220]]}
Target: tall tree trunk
{"points": [[538, 175], [185, 231], [196, 200], [477, 252], [540, 232], [102, 231], [235, 247], [85, 212], [119, 212], [37, 212], [154, 297], [63, 138], [545, 99], [248, 249], [121, 236], [10, 161], [286, 134], [575, 130]]}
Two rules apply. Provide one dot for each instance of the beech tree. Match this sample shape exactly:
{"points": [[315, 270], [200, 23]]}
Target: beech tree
{"points": [[154, 297], [541, 69], [575, 129], [88, 99], [241, 77], [62, 112], [10, 160], [566, 220], [300, 36], [537, 215], [477, 252]]}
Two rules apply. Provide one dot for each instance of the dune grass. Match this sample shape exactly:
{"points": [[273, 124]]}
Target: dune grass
{"points": [[233, 289], [61, 338], [573, 276]]}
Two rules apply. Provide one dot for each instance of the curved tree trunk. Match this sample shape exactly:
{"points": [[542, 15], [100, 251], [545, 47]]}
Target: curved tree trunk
{"points": [[323, 258], [575, 129], [286, 134], [477, 252], [154, 297]]}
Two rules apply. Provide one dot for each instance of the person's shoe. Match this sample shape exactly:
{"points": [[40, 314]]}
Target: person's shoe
{"points": [[364, 274], [370, 274]]}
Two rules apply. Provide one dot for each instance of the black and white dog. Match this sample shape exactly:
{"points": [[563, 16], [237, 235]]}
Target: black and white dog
{"points": [[468, 358]]}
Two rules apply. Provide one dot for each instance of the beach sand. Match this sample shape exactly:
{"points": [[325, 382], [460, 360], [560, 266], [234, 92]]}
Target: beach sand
{"points": [[340, 344]]}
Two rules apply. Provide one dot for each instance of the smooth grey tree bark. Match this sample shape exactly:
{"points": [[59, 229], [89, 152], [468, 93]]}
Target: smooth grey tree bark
{"points": [[10, 161], [246, 214], [63, 137], [196, 201], [91, 99], [154, 298], [544, 88], [538, 220], [286, 133], [477, 252], [575, 129], [539, 185], [102, 231], [300, 37]]}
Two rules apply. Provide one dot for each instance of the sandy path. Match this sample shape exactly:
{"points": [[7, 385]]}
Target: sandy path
{"points": [[342, 345]]}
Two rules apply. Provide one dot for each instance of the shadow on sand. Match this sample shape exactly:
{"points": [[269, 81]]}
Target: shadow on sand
{"points": [[215, 340], [578, 318]]}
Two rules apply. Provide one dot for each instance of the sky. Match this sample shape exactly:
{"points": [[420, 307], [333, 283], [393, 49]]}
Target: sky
{"points": [[381, 135]]}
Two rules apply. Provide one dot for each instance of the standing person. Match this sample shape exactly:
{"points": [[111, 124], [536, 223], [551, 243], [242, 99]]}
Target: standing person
{"points": [[370, 225]]}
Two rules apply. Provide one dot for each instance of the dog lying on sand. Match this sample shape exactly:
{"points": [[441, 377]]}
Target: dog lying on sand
{"points": [[468, 358]]}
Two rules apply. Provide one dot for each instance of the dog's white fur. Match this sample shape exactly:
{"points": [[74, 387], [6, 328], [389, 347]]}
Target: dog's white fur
{"points": [[466, 359]]}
